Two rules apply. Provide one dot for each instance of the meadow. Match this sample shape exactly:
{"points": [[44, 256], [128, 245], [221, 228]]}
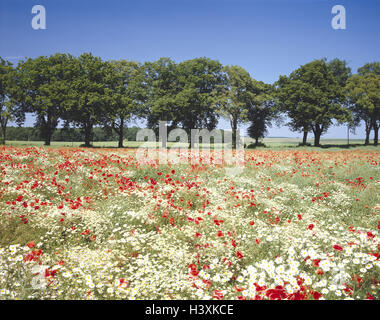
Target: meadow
{"points": [[269, 143], [94, 223]]}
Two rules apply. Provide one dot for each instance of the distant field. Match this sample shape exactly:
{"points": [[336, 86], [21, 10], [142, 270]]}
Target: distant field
{"points": [[295, 141], [269, 143]]}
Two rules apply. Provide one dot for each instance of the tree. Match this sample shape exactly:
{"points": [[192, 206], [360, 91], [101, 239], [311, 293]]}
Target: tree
{"points": [[126, 95], [199, 80], [370, 68], [7, 104], [258, 128], [182, 95], [88, 94], [361, 113], [44, 83], [340, 70], [160, 79], [262, 111], [312, 98], [238, 94], [294, 110], [364, 92]]}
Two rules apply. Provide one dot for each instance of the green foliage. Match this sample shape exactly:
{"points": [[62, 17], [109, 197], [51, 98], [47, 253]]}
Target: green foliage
{"points": [[340, 70], [312, 96], [89, 94], [198, 80], [101, 97], [161, 80], [44, 83], [8, 89], [364, 94], [126, 95], [239, 99], [262, 113], [182, 94], [370, 68]]}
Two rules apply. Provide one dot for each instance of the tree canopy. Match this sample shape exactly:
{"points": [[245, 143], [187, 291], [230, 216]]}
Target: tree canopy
{"points": [[312, 96], [364, 92], [85, 92], [7, 93], [240, 96], [44, 83], [126, 93], [88, 94]]}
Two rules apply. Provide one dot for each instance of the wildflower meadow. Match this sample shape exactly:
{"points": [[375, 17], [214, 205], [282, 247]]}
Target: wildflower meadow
{"points": [[98, 224]]}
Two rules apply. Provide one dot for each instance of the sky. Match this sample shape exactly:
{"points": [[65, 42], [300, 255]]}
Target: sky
{"points": [[268, 38]]}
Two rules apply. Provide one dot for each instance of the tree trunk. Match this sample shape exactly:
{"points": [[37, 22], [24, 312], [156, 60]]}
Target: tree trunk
{"points": [[367, 133], [3, 121], [87, 135], [121, 133], [304, 139], [120, 143], [47, 129], [317, 135], [48, 137], [256, 142], [376, 137], [163, 133], [234, 129], [317, 140], [366, 142], [3, 134]]}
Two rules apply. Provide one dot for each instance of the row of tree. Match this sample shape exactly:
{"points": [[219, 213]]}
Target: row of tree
{"points": [[85, 92], [318, 93]]}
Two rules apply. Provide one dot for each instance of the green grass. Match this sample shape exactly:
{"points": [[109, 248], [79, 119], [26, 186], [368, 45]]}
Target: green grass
{"points": [[296, 141], [273, 143], [97, 144]]}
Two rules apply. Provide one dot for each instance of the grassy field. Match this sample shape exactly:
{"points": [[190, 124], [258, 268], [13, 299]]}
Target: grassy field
{"points": [[101, 223], [269, 143]]}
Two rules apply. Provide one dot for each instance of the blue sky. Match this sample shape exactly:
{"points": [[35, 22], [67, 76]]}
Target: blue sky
{"points": [[266, 37]]}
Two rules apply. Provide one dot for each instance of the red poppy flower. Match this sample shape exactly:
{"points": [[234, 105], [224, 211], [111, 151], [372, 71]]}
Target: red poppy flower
{"points": [[316, 295], [239, 254], [30, 244], [218, 294], [275, 294], [369, 297], [370, 235], [319, 271], [316, 262]]}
